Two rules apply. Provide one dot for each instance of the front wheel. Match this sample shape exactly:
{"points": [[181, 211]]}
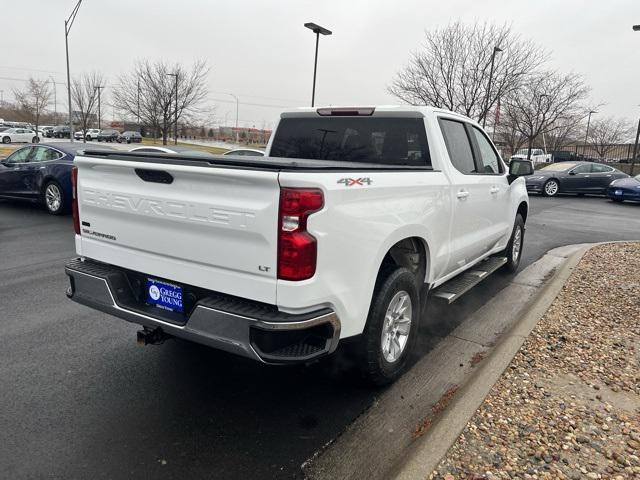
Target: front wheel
{"points": [[551, 188], [6, 140], [392, 327], [35, 140], [513, 252], [54, 198]]}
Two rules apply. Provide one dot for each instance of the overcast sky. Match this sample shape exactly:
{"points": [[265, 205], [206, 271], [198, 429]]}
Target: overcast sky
{"points": [[260, 51]]}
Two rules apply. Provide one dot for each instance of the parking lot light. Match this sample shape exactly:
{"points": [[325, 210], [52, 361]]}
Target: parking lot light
{"points": [[586, 135], [99, 88], [68, 23], [318, 30], [493, 60]]}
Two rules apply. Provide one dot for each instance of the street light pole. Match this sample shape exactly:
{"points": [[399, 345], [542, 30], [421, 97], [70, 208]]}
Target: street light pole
{"points": [[586, 135], [175, 122], [318, 30], [99, 88], [486, 105], [55, 101], [68, 23], [237, 111], [635, 146]]}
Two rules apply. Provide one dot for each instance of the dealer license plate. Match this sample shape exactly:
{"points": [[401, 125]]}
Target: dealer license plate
{"points": [[164, 295]]}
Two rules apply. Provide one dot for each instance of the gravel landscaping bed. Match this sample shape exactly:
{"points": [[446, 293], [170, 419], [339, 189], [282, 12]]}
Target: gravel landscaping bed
{"points": [[568, 405]]}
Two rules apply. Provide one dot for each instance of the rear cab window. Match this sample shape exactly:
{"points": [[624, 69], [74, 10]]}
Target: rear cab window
{"points": [[366, 139]]}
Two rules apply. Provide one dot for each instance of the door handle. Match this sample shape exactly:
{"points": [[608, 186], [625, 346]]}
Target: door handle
{"points": [[494, 190], [462, 194]]}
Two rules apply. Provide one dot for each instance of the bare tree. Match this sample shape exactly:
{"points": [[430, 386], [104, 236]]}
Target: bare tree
{"points": [[543, 102], [84, 96], [564, 132], [606, 134], [452, 69], [34, 99], [510, 137], [148, 93]]}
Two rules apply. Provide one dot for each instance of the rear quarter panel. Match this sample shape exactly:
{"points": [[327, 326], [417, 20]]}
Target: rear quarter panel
{"points": [[356, 228]]}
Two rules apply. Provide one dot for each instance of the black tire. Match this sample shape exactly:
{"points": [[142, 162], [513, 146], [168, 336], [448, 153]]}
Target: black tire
{"points": [[617, 200], [513, 257], [6, 140], [551, 192], [61, 208], [373, 363], [99, 139], [35, 140]]}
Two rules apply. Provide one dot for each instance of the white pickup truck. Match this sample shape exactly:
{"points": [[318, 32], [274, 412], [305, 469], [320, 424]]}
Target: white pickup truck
{"points": [[537, 155], [342, 229]]}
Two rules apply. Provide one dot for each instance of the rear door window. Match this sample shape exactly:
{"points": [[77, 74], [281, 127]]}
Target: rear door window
{"points": [[43, 154], [458, 145], [381, 140], [489, 160], [584, 168]]}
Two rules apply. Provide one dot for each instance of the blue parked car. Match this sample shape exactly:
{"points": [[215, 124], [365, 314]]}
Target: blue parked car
{"points": [[625, 189], [40, 173]]}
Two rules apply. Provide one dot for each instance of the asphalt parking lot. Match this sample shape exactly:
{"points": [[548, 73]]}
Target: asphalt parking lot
{"points": [[80, 399]]}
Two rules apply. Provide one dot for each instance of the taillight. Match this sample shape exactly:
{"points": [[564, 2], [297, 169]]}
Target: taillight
{"points": [[297, 248], [74, 200]]}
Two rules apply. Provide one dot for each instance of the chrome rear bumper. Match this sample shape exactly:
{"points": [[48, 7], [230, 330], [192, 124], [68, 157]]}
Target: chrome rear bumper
{"points": [[239, 326]]}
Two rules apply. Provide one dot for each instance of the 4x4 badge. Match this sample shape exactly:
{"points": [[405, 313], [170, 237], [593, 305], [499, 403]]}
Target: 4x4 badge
{"points": [[350, 182]]}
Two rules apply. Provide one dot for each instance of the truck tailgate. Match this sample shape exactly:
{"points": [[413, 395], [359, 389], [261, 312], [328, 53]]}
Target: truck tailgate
{"points": [[210, 227]]}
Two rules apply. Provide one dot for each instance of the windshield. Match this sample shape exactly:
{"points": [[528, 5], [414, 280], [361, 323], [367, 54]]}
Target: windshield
{"points": [[388, 141], [559, 167], [637, 177]]}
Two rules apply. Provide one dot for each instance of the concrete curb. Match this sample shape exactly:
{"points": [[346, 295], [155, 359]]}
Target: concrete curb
{"points": [[426, 453], [411, 425]]}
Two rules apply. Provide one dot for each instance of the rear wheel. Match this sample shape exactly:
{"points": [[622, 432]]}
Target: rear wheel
{"points": [[6, 140], [551, 188], [392, 327], [54, 199], [513, 252], [35, 140]]}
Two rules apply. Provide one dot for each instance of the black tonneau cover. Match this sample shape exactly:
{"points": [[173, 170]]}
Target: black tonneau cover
{"points": [[244, 162]]}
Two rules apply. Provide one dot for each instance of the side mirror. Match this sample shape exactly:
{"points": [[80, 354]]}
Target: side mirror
{"points": [[519, 168], [572, 172]]}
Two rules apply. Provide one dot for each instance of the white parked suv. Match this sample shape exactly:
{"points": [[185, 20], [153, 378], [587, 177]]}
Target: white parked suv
{"points": [[351, 220], [92, 134], [19, 135]]}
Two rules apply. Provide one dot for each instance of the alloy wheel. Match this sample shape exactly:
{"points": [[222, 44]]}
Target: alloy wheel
{"points": [[551, 188], [53, 197], [396, 326], [517, 244]]}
